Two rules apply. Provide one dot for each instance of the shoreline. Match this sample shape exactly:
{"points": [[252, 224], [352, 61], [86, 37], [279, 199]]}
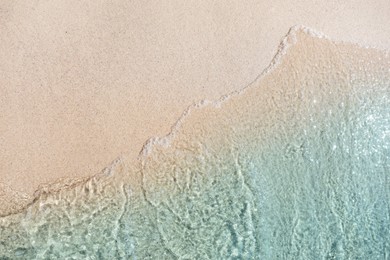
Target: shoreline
{"points": [[84, 83], [164, 141]]}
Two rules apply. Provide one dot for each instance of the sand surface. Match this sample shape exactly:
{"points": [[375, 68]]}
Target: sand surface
{"points": [[81, 84], [294, 166]]}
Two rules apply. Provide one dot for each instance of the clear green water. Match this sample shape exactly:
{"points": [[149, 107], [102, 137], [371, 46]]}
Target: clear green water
{"points": [[297, 166]]}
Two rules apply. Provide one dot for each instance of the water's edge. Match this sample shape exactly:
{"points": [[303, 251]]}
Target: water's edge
{"points": [[68, 183], [293, 166]]}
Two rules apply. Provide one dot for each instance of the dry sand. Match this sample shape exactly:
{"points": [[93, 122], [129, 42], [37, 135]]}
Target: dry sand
{"points": [[84, 82]]}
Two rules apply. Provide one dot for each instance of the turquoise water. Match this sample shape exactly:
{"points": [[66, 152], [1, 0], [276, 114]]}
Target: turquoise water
{"points": [[296, 166]]}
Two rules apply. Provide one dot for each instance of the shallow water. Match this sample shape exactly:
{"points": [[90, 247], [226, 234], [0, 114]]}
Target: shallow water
{"points": [[296, 166]]}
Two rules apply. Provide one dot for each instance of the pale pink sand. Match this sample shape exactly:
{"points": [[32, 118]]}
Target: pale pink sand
{"points": [[83, 82]]}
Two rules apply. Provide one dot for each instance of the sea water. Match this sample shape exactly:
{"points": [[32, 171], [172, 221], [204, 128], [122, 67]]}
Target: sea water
{"points": [[294, 166]]}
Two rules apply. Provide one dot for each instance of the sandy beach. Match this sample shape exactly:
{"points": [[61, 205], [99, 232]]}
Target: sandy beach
{"points": [[81, 84]]}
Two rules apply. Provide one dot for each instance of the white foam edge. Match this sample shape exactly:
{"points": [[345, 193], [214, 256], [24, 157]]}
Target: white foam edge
{"points": [[287, 41]]}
